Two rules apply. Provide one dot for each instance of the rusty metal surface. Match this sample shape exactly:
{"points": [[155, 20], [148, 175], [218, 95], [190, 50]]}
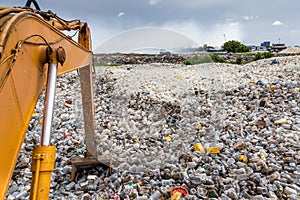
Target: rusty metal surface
{"points": [[88, 109], [89, 162], [91, 158], [87, 95]]}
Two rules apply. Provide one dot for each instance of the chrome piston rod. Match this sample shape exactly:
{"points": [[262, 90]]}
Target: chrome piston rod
{"points": [[49, 104]]}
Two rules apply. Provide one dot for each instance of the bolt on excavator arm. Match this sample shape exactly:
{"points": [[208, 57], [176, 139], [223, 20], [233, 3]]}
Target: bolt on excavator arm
{"points": [[25, 34]]}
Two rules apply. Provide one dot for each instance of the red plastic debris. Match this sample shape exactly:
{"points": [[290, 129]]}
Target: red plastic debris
{"points": [[114, 197], [67, 134], [179, 189], [69, 101]]}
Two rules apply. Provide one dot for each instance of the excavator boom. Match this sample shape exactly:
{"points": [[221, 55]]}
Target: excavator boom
{"points": [[25, 36]]}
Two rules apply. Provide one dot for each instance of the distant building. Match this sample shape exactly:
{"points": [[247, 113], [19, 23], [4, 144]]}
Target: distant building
{"points": [[258, 48], [265, 44], [278, 47], [213, 49], [164, 52]]}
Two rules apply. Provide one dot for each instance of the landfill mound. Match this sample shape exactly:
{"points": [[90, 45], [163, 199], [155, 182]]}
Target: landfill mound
{"points": [[205, 131], [290, 50]]}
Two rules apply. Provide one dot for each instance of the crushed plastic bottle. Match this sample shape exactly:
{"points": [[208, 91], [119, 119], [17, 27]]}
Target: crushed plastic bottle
{"points": [[275, 61], [178, 77], [201, 169], [259, 82], [199, 147], [156, 195], [70, 186], [168, 138], [243, 158], [272, 88], [177, 192], [213, 150]]}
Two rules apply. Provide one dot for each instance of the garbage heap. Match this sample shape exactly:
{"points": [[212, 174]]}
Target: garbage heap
{"points": [[179, 132]]}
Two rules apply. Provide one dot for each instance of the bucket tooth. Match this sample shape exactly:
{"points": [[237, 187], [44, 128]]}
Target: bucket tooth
{"points": [[80, 163]]}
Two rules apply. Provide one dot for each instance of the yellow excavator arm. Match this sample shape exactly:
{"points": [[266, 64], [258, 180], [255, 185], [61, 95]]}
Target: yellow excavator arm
{"points": [[31, 43]]}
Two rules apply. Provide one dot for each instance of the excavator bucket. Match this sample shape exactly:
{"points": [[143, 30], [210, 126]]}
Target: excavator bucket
{"points": [[91, 158], [23, 76]]}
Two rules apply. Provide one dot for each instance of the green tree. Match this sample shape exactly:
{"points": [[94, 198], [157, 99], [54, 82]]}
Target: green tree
{"points": [[258, 56], [263, 55], [239, 60], [268, 54], [235, 47], [217, 58], [199, 59]]}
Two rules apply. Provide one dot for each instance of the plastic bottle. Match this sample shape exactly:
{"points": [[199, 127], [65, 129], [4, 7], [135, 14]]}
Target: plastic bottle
{"points": [[70, 186], [155, 196]]}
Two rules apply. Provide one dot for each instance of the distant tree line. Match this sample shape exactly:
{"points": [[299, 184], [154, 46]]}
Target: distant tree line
{"points": [[233, 46]]}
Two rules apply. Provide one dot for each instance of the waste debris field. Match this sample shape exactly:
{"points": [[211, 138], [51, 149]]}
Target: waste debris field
{"points": [[199, 131]]}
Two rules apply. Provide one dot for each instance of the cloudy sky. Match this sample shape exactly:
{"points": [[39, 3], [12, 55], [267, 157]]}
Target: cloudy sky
{"points": [[204, 21]]}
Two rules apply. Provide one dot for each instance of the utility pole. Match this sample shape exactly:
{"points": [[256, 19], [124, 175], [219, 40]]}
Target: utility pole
{"points": [[224, 37]]}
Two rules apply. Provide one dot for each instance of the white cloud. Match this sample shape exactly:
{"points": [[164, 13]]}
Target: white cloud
{"points": [[229, 20], [102, 32], [121, 14], [247, 18], [153, 2], [199, 33], [277, 23], [213, 35]]}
